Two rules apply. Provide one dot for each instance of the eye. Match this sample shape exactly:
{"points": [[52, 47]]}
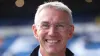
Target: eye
{"points": [[60, 26], [45, 26]]}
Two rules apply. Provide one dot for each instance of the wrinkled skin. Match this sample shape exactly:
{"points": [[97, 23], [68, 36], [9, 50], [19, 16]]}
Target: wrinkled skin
{"points": [[53, 41]]}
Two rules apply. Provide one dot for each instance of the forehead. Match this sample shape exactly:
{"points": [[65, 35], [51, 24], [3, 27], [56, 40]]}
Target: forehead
{"points": [[53, 15]]}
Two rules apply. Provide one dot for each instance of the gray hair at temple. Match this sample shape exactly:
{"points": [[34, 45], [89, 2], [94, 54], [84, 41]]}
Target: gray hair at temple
{"points": [[57, 5]]}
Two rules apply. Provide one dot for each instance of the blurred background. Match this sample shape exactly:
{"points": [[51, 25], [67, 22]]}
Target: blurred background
{"points": [[16, 19]]}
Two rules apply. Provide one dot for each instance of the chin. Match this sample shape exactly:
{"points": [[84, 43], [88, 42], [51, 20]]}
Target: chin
{"points": [[53, 50]]}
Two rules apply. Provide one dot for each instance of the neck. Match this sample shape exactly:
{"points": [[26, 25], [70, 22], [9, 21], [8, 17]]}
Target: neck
{"points": [[44, 53]]}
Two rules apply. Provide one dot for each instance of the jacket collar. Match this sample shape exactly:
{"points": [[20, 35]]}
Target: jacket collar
{"points": [[35, 52]]}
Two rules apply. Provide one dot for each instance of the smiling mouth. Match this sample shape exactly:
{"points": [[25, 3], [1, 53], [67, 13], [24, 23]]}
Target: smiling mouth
{"points": [[52, 41]]}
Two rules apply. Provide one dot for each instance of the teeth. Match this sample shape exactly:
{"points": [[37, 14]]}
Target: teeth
{"points": [[52, 41]]}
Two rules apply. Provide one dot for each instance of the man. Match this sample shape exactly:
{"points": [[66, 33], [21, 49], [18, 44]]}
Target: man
{"points": [[53, 27]]}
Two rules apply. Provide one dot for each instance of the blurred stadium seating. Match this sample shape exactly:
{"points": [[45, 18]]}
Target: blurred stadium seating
{"points": [[17, 39]]}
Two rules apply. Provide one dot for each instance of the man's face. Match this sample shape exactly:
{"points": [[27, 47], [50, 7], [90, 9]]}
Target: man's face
{"points": [[53, 30]]}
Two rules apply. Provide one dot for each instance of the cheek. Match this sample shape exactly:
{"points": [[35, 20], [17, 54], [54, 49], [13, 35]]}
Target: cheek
{"points": [[41, 34], [65, 35]]}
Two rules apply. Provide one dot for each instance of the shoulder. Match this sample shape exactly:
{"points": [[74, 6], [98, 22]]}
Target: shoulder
{"points": [[69, 53], [35, 51]]}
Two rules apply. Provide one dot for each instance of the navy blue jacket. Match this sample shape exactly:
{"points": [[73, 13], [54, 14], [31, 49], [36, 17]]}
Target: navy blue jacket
{"points": [[35, 52]]}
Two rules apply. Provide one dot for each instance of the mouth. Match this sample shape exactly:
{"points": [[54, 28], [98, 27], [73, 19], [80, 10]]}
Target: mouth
{"points": [[51, 41]]}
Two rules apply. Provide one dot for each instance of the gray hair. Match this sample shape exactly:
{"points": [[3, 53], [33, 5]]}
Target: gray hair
{"points": [[56, 5]]}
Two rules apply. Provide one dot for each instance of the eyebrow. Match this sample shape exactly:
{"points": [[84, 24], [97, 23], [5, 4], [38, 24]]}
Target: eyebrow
{"points": [[44, 22]]}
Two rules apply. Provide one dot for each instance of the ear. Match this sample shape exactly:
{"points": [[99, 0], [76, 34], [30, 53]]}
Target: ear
{"points": [[34, 29], [71, 31]]}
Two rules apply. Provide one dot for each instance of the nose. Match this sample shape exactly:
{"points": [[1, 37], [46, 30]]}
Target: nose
{"points": [[52, 31]]}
